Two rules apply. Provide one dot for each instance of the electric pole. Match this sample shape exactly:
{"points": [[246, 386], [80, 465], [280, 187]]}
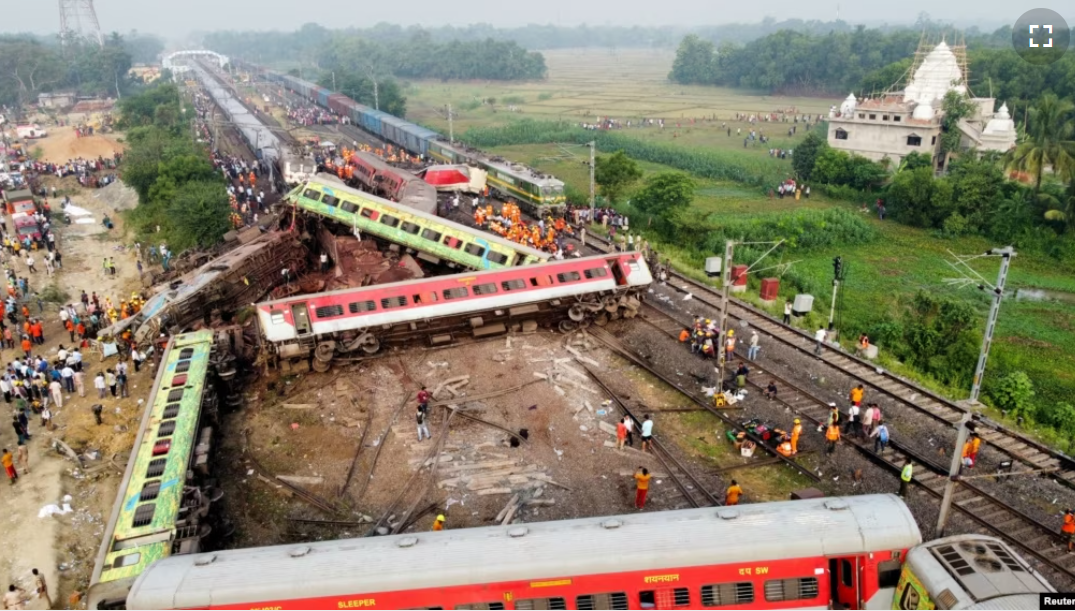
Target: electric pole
{"points": [[970, 276], [953, 475], [722, 338], [837, 276], [593, 183], [451, 126]]}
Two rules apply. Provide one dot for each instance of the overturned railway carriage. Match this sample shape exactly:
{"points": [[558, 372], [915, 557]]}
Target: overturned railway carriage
{"points": [[968, 572], [160, 509], [434, 239], [440, 309], [393, 183], [840, 551]]}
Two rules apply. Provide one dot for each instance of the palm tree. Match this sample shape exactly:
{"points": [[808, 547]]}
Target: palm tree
{"points": [[1049, 141]]}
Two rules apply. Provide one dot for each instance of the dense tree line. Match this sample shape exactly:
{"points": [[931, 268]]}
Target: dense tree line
{"points": [[864, 60], [30, 65], [414, 55], [182, 199]]}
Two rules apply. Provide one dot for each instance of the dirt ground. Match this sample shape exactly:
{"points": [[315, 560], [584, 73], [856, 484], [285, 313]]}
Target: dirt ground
{"points": [[63, 547], [62, 144]]}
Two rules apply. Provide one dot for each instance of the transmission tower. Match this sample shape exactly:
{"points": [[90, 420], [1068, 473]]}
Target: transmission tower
{"points": [[78, 19]]}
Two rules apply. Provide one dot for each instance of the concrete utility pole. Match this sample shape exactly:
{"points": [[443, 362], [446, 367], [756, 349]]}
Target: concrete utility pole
{"points": [[953, 474], [451, 126], [725, 286], [593, 183], [1005, 255], [837, 276]]}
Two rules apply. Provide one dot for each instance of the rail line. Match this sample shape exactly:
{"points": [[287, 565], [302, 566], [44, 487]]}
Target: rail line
{"points": [[695, 493], [985, 509], [908, 394]]}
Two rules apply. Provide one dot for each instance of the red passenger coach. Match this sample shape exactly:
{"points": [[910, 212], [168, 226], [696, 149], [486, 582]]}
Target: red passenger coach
{"points": [[572, 292], [810, 554]]}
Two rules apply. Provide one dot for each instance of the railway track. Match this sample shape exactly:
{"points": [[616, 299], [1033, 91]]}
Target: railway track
{"points": [[688, 484], [908, 394], [983, 508]]}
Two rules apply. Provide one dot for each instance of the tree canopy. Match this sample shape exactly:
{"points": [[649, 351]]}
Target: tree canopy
{"points": [[29, 66], [615, 173]]}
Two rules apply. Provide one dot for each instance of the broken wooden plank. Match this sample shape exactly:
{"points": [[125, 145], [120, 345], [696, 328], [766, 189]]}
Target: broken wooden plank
{"points": [[490, 491], [303, 480], [504, 511], [298, 405]]}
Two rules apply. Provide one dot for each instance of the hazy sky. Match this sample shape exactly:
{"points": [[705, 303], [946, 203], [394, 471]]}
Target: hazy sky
{"points": [[175, 18]]}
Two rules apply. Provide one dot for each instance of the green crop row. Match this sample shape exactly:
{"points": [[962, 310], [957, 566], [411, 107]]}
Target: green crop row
{"points": [[713, 164]]}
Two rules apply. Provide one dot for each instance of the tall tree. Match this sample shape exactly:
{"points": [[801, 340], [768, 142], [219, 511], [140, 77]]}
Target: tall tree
{"points": [[665, 195], [614, 173], [1049, 141], [694, 62], [806, 154]]}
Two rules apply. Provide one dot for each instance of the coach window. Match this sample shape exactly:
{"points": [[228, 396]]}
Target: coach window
{"points": [[348, 207], [726, 594], [592, 602], [888, 573], [597, 272], [361, 306], [556, 602], [393, 302], [410, 228], [568, 277], [497, 258], [311, 194], [474, 249], [667, 598], [513, 285], [485, 289], [456, 293], [453, 243], [496, 605], [432, 236], [391, 221], [330, 200], [804, 588], [370, 213], [424, 298], [331, 311]]}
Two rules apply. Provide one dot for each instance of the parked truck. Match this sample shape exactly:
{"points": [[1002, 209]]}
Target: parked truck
{"points": [[30, 131]]}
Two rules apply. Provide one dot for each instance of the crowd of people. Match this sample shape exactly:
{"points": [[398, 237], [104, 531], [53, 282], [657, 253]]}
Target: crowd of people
{"points": [[311, 115], [545, 234]]}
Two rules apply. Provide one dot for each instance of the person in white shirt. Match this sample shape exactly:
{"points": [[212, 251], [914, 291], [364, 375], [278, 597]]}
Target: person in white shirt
{"points": [[99, 384], [647, 433], [819, 335]]}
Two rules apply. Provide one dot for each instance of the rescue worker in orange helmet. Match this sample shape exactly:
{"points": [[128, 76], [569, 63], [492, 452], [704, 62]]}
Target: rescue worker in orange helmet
{"points": [[796, 431], [438, 524], [832, 436]]}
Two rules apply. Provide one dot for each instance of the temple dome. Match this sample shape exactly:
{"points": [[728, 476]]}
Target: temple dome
{"points": [[938, 74], [848, 105]]}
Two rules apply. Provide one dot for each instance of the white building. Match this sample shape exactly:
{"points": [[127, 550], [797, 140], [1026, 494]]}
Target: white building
{"points": [[896, 124]]}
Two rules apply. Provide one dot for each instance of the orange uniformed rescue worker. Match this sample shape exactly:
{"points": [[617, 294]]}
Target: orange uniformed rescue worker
{"points": [[832, 435], [438, 524], [1068, 529], [795, 432]]}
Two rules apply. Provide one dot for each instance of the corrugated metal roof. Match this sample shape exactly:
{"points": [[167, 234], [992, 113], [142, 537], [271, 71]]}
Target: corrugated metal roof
{"points": [[643, 541]]}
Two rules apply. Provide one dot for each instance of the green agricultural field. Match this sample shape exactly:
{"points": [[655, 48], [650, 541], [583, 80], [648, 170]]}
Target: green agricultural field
{"points": [[1036, 337], [584, 84]]}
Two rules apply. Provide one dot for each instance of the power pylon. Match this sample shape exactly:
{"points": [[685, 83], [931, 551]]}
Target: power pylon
{"points": [[78, 19]]}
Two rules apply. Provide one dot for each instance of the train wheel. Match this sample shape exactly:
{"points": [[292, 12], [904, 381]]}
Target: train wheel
{"points": [[594, 306], [611, 303], [601, 319], [320, 366], [324, 352], [577, 313], [567, 326], [370, 345]]}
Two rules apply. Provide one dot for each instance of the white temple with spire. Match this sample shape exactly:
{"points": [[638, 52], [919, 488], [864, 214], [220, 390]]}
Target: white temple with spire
{"points": [[898, 123]]}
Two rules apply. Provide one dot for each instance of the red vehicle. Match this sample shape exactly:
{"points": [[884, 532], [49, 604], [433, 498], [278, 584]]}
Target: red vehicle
{"points": [[572, 291], [809, 554], [26, 226], [393, 183]]}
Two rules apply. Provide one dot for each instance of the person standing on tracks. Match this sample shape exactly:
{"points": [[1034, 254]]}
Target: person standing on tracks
{"points": [[905, 478], [423, 428], [975, 446], [819, 337], [834, 415], [856, 395], [732, 494], [629, 424], [729, 345], [869, 418], [880, 437], [621, 434], [832, 437], [752, 351], [1067, 531], [647, 434], [796, 432], [642, 477], [853, 424]]}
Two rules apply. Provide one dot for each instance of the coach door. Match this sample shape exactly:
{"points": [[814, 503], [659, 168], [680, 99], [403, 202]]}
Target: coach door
{"points": [[617, 272], [302, 319], [844, 580]]}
